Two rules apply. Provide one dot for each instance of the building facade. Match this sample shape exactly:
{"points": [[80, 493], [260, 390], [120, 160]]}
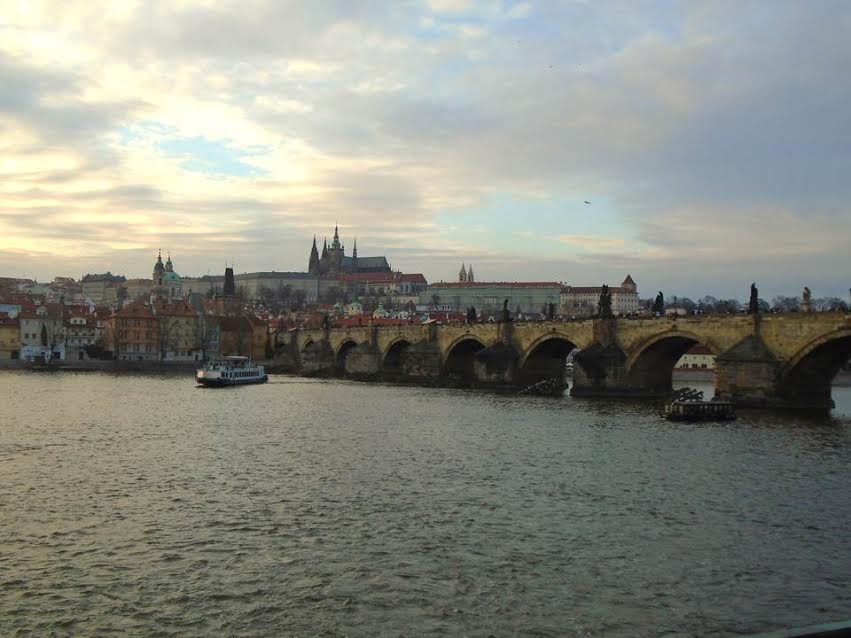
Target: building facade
{"points": [[698, 358], [10, 337], [583, 300], [101, 288], [42, 333], [489, 297]]}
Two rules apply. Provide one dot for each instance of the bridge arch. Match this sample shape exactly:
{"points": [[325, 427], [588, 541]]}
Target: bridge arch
{"points": [[343, 350], [391, 361], [459, 357], [650, 365], [307, 344], [808, 376], [545, 358]]}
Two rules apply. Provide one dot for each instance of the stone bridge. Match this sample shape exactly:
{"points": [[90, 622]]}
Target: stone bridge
{"points": [[784, 360]]}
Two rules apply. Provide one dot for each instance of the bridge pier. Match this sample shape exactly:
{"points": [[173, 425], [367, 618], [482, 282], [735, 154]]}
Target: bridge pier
{"points": [[421, 361], [363, 362], [600, 371], [317, 359], [495, 366]]}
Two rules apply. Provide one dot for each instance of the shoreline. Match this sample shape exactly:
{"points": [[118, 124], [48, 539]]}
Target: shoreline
{"points": [[842, 379]]}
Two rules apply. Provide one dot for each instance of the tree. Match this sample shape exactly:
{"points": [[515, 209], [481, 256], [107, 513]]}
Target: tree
{"points": [[728, 306], [687, 304], [298, 300], [206, 335], [167, 335], [829, 304], [709, 304], [785, 304]]}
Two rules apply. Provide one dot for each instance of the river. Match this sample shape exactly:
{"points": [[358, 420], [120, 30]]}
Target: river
{"points": [[140, 505]]}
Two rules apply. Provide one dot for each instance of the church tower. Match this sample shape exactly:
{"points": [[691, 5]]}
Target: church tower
{"points": [[335, 253], [158, 291], [355, 256], [462, 274], [470, 276], [313, 266], [230, 284]]}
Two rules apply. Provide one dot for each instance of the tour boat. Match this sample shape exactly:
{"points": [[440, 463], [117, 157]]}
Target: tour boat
{"points": [[687, 404], [229, 371], [699, 411]]}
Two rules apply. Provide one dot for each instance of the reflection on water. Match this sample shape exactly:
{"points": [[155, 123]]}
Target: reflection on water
{"points": [[141, 505]]}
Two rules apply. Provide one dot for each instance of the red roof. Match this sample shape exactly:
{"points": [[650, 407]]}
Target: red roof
{"points": [[371, 277], [135, 310], [414, 278], [180, 309], [700, 349], [580, 290], [504, 284]]}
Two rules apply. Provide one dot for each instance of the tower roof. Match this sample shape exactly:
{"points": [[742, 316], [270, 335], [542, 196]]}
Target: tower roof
{"points": [[158, 267]]}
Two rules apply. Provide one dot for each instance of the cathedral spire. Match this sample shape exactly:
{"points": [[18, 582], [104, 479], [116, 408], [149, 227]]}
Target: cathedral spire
{"points": [[355, 249], [470, 276], [313, 261], [336, 243], [462, 274]]}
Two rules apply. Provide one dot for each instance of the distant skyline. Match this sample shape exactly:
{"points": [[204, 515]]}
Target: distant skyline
{"points": [[698, 146]]}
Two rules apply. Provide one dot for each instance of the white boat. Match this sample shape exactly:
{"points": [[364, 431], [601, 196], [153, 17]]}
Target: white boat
{"points": [[228, 371]]}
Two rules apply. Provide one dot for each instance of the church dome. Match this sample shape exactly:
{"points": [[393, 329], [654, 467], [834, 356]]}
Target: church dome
{"points": [[171, 276]]}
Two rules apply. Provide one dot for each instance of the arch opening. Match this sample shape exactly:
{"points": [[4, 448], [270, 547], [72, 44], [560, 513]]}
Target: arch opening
{"points": [[394, 358], [458, 366], [340, 359], [652, 372], [809, 381], [307, 344], [547, 360]]}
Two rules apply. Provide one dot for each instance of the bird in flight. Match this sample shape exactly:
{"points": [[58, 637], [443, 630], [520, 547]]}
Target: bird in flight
{"points": [[587, 202]]}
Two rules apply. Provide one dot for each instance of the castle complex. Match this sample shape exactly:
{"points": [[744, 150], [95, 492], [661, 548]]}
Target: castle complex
{"points": [[335, 262]]}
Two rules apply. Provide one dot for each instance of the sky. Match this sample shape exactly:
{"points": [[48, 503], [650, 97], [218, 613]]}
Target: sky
{"points": [[711, 140]]}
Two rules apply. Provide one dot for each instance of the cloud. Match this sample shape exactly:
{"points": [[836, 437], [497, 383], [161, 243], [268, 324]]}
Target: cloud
{"points": [[719, 145]]}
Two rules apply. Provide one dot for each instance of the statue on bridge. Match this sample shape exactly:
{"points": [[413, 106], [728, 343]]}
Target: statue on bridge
{"points": [[659, 305], [471, 314], [604, 306], [806, 300], [506, 313], [753, 302]]}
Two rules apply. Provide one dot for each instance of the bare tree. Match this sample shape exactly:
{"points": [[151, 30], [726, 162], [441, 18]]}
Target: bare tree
{"points": [[167, 335]]}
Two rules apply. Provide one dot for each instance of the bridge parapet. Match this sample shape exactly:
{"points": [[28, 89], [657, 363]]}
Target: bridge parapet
{"points": [[757, 354]]}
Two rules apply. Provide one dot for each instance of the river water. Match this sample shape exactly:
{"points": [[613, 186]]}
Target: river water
{"points": [[140, 505]]}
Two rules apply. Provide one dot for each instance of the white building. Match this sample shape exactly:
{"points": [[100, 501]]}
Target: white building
{"points": [[42, 333], [583, 300], [699, 358]]}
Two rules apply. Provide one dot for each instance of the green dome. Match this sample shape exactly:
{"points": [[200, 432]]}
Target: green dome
{"points": [[171, 276]]}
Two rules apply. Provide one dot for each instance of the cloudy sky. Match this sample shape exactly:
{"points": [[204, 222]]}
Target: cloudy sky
{"points": [[712, 139]]}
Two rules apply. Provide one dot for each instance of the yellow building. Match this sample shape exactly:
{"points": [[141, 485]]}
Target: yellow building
{"points": [[10, 337], [178, 332]]}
